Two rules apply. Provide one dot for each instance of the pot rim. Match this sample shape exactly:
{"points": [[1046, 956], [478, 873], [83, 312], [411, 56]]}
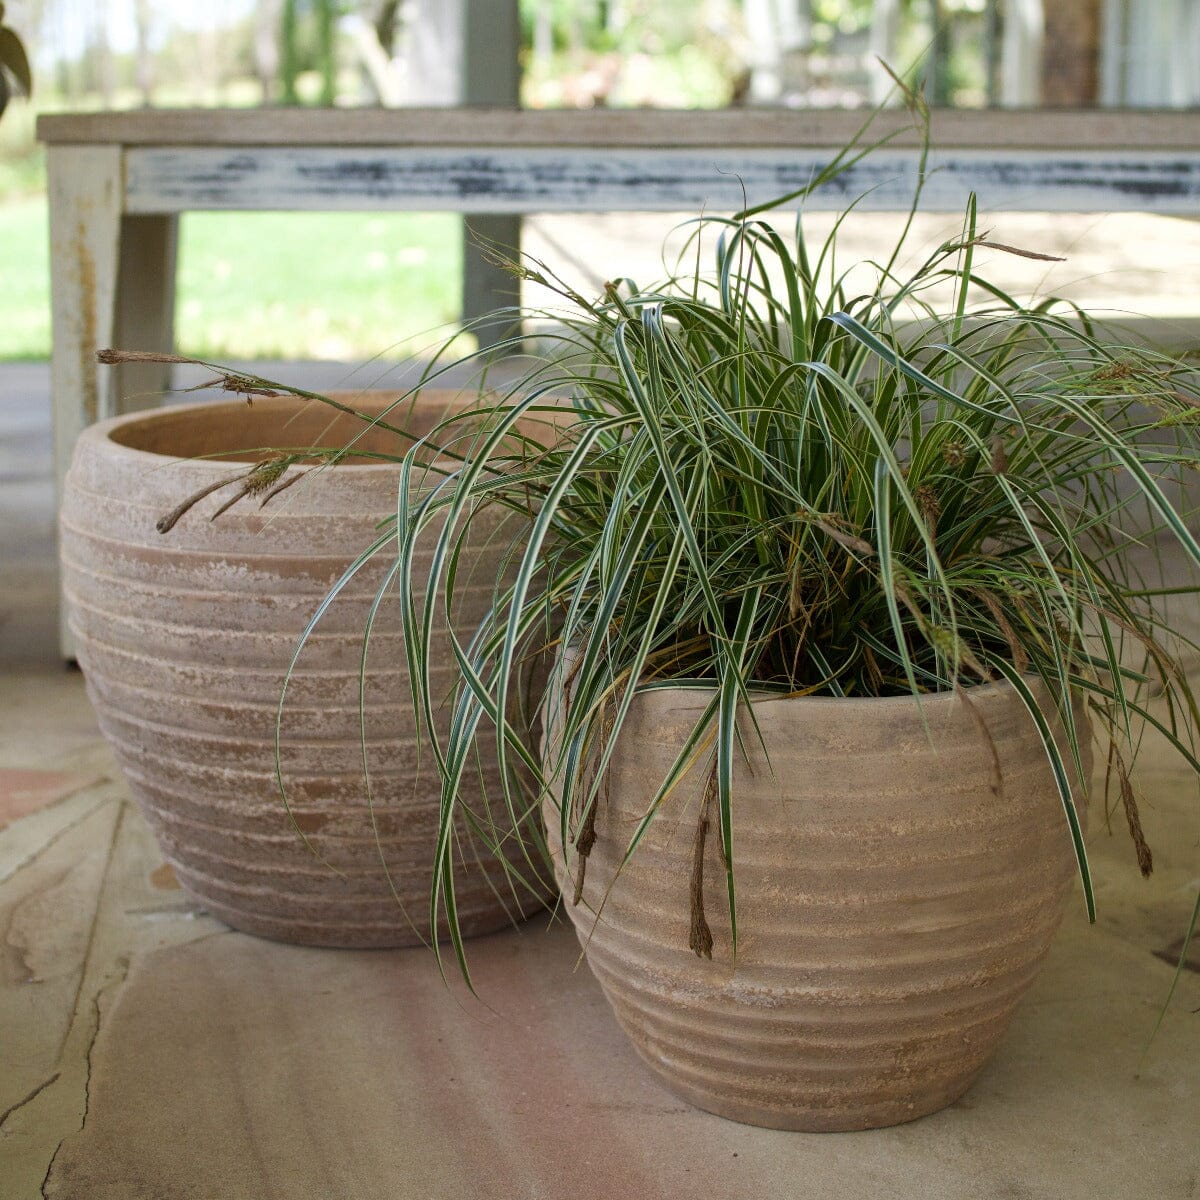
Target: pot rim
{"points": [[696, 698], [100, 433]]}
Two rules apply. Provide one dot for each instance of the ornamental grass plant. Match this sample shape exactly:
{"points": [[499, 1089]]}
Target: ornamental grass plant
{"points": [[773, 482], [774, 475]]}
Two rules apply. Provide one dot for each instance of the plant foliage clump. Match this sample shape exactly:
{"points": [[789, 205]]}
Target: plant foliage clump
{"points": [[765, 478], [772, 474]]}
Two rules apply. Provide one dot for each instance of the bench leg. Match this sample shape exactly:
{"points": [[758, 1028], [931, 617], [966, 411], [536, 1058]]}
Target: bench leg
{"points": [[487, 286], [145, 308], [96, 255], [85, 219]]}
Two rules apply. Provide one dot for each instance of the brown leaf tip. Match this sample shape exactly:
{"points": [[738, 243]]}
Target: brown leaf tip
{"points": [[115, 358]]}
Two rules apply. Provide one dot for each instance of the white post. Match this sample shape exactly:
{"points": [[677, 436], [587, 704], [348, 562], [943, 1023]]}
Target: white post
{"points": [[1021, 53], [766, 59], [491, 75], [433, 52], [1113, 51], [885, 32]]}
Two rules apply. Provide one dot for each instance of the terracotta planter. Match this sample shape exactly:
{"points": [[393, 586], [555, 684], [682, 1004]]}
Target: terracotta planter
{"points": [[185, 639], [894, 902]]}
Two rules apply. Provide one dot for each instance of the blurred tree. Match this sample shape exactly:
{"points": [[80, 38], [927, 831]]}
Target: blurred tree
{"points": [[290, 57], [14, 65], [326, 57], [1071, 60], [100, 59], [144, 72], [387, 24], [268, 28], [307, 37]]}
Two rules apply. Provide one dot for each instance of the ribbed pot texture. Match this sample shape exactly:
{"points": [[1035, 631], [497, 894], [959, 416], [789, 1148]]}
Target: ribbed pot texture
{"points": [[185, 640], [895, 896]]}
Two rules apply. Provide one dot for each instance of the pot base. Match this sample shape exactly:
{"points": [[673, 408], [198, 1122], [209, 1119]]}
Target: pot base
{"points": [[813, 1120], [336, 932], [899, 879]]}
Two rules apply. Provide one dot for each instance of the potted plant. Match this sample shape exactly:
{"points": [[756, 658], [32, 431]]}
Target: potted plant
{"points": [[198, 546], [842, 576], [842, 583]]}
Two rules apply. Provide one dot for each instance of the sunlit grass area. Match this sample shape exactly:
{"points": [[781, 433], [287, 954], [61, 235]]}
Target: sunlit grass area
{"points": [[316, 285], [268, 285], [24, 280]]}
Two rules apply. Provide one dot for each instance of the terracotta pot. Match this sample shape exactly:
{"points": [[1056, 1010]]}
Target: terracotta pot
{"points": [[185, 640], [894, 898]]}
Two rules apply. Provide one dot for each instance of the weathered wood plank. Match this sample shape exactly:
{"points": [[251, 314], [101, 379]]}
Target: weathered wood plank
{"points": [[1091, 129], [86, 196], [86, 187], [481, 179]]}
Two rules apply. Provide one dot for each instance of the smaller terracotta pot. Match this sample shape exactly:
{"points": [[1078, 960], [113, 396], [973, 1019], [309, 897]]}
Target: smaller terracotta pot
{"points": [[185, 640], [895, 897]]}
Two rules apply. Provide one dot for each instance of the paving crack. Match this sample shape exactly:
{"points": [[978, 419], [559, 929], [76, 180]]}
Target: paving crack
{"points": [[112, 983], [29, 1099], [107, 983], [58, 835], [91, 939], [46, 1178]]}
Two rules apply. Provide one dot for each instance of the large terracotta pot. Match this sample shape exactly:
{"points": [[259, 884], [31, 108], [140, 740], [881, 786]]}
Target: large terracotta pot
{"points": [[894, 900], [185, 640]]}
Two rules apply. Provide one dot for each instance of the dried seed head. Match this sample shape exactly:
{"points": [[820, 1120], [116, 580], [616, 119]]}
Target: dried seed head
{"points": [[931, 507], [264, 475], [1018, 251], [999, 463], [115, 358], [954, 454], [796, 595], [1114, 370], [927, 498], [1178, 408], [944, 642], [849, 541], [243, 385], [1133, 818]]}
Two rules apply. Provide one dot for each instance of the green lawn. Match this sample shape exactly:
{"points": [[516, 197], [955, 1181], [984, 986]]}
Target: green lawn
{"points": [[268, 285], [24, 280]]}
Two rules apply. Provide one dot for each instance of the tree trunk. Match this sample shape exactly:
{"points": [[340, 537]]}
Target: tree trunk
{"points": [[144, 68], [268, 17], [101, 54], [884, 36], [1071, 60], [387, 25], [766, 63], [543, 34], [290, 53], [326, 51], [433, 52]]}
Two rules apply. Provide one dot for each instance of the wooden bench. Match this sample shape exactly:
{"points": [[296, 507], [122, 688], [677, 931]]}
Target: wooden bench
{"points": [[118, 182]]}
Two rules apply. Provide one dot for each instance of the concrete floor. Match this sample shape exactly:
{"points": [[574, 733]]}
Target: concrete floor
{"points": [[147, 1051]]}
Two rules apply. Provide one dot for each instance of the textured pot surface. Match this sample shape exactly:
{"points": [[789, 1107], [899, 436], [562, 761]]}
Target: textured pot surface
{"points": [[895, 895], [185, 640]]}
